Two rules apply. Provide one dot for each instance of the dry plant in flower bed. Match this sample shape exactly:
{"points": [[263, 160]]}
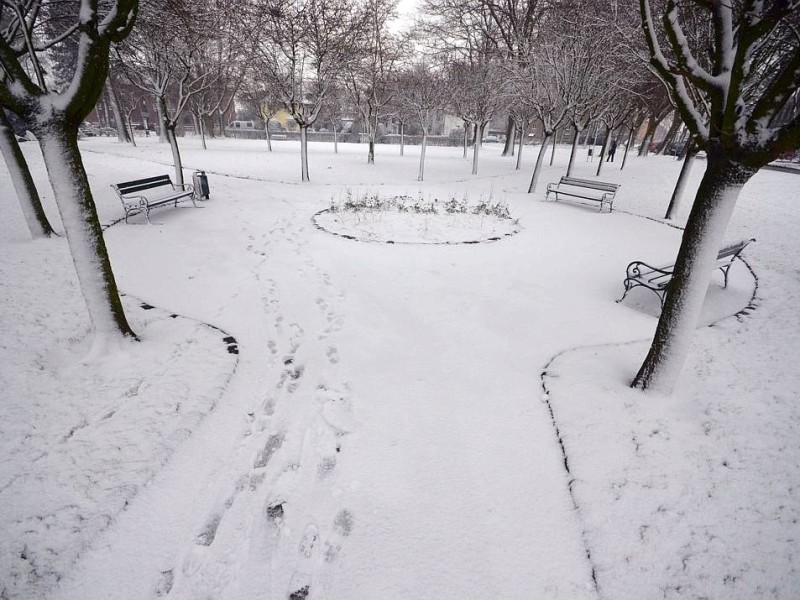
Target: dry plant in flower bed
{"points": [[416, 220]]}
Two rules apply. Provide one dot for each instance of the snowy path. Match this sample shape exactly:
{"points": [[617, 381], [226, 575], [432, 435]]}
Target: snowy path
{"points": [[383, 436]]}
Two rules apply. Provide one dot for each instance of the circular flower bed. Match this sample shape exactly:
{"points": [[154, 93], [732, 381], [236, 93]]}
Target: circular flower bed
{"points": [[408, 220]]}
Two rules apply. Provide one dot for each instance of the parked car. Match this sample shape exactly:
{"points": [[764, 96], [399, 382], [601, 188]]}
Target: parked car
{"points": [[88, 130], [239, 125], [491, 139]]}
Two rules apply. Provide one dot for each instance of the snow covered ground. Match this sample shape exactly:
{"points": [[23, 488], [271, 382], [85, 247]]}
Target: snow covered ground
{"points": [[315, 416]]}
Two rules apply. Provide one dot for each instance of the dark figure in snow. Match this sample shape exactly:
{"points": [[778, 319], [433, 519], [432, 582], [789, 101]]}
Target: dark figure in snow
{"points": [[589, 155], [611, 150]]}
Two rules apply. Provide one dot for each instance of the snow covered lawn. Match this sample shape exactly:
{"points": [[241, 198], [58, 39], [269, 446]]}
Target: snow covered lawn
{"points": [[386, 428]]}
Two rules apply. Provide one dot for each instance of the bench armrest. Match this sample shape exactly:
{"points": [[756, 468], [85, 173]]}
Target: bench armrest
{"points": [[133, 200], [187, 187], [638, 268]]}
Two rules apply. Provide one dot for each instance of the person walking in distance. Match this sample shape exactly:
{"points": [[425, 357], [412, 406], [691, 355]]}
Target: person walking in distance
{"points": [[611, 150]]}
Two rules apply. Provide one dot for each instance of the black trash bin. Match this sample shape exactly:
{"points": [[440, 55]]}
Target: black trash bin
{"points": [[200, 182]]}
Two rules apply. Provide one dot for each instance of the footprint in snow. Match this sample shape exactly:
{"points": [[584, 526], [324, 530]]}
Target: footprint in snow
{"points": [[274, 442], [165, 582], [343, 526], [337, 410], [300, 585], [326, 466], [333, 355]]}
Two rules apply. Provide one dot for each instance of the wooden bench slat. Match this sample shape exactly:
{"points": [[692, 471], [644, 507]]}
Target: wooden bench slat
{"points": [[129, 187]]}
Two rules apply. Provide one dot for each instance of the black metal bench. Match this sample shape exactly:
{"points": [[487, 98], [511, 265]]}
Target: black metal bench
{"points": [[160, 192], [639, 274], [601, 191]]}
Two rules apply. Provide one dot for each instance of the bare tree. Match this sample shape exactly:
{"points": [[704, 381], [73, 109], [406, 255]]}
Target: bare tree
{"points": [[478, 90], [658, 106], [336, 109], [632, 123], [224, 66], [674, 125], [263, 99], [32, 32], [543, 83], [165, 56], [368, 78], [523, 115], [303, 48], [421, 91], [614, 117], [224, 60], [730, 88]]}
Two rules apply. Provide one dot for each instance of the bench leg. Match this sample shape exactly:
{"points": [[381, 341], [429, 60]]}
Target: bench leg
{"points": [[725, 270], [629, 286]]}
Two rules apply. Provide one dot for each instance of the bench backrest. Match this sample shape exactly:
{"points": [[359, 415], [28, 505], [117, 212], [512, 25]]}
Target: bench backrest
{"points": [[734, 249], [588, 183], [138, 185]]}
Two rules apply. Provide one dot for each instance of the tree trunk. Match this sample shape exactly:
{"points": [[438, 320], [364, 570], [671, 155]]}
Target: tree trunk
{"points": [[122, 131], [221, 122], [603, 151], [422, 155], [476, 149], [702, 238], [201, 125], [373, 130], [553, 149], [102, 115], [176, 153], [673, 129], [161, 107], [335, 141], [84, 235], [511, 127], [268, 136], [680, 185], [466, 137], [585, 136], [21, 178], [402, 138], [652, 127], [521, 143], [573, 151], [627, 147], [304, 153], [539, 159], [129, 127]]}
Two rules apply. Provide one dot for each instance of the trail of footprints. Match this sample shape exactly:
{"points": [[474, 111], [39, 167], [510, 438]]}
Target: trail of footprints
{"points": [[294, 453]]}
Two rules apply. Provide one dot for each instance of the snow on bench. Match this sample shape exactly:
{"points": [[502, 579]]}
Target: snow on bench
{"points": [[639, 274], [601, 191], [159, 190]]}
